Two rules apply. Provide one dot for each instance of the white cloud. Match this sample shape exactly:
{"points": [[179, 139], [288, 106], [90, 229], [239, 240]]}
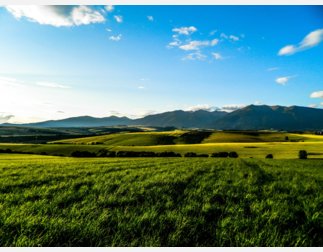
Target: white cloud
{"points": [[312, 39], [174, 43], [150, 18], [230, 37], [206, 107], [141, 87], [312, 105], [51, 85], [217, 56], [272, 69], [283, 80], [116, 38], [119, 18], [194, 45], [212, 32], [287, 50], [108, 30], [317, 94], [214, 42], [257, 103], [232, 107], [185, 30], [223, 35], [57, 15], [5, 118], [195, 56], [234, 38], [109, 8]]}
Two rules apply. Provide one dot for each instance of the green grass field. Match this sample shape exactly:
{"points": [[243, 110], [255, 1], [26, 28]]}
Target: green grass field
{"points": [[284, 150], [61, 201]]}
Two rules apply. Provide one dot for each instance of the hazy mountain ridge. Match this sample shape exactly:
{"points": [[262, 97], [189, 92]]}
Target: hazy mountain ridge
{"points": [[251, 117]]}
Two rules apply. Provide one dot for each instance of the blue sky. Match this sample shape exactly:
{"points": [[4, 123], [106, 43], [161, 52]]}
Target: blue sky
{"points": [[58, 62]]}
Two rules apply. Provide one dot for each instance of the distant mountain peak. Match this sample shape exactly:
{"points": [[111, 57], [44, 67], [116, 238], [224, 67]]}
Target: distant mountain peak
{"points": [[251, 117]]}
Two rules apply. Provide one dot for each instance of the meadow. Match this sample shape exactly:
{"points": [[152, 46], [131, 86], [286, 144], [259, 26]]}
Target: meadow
{"points": [[254, 144], [63, 201]]}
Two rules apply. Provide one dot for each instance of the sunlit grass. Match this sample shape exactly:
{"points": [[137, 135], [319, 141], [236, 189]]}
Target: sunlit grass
{"points": [[57, 201]]}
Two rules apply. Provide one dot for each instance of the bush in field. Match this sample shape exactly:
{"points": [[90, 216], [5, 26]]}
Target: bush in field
{"points": [[83, 154], [270, 156], [110, 154], [126, 154], [233, 154], [190, 154], [6, 151], [146, 154], [220, 154], [106, 153], [168, 154], [302, 154], [203, 155]]}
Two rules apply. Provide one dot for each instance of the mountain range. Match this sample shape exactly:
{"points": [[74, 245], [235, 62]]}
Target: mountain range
{"points": [[252, 117]]}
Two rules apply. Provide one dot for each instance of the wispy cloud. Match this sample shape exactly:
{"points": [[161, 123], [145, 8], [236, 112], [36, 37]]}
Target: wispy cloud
{"points": [[150, 18], [234, 38], [272, 69], [195, 56], [194, 45], [231, 37], [51, 85], [312, 39], [116, 38], [206, 107], [5, 118], [232, 107], [109, 8], [312, 105], [317, 94], [185, 30], [118, 18], [141, 87], [212, 32], [57, 15], [283, 80], [217, 56], [214, 42]]}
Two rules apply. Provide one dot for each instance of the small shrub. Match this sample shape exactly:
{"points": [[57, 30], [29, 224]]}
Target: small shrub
{"points": [[203, 155], [302, 154], [83, 154], [190, 154], [233, 154], [168, 154], [220, 154], [270, 156]]}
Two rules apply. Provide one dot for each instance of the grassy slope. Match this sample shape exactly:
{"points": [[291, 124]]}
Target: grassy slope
{"points": [[151, 138], [125, 139], [160, 202], [238, 137]]}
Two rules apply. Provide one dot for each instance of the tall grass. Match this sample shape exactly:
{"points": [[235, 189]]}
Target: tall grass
{"points": [[160, 202]]}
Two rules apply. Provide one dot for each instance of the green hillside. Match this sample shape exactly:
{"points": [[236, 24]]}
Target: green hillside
{"points": [[129, 139], [288, 150], [259, 136], [189, 137]]}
